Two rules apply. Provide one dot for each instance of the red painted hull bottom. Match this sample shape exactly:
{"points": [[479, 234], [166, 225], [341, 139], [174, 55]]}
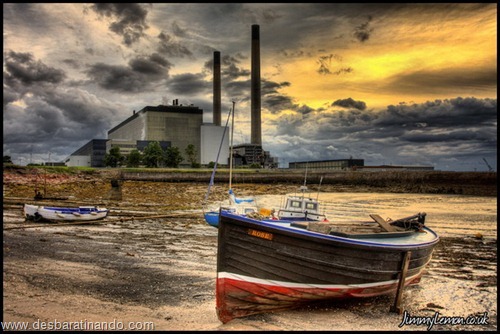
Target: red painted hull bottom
{"points": [[236, 297]]}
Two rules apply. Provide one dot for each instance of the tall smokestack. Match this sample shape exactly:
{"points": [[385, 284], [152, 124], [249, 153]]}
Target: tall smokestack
{"points": [[217, 90], [256, 136]]}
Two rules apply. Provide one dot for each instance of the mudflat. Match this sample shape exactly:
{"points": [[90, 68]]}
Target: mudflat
{"points": [[132, 271]]}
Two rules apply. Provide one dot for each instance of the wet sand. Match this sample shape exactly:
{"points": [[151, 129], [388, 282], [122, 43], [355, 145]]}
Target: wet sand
{"points": [[161, 272]]}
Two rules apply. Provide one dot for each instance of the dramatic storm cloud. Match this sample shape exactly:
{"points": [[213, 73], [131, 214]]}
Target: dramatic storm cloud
{"points": [[388, 83]]}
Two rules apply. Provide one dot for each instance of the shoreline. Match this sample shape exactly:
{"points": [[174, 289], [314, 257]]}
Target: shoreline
{"points": [[421, 182]]}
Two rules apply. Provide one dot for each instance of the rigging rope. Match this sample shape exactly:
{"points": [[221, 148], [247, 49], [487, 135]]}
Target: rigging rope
{"points": [[211, 183]]}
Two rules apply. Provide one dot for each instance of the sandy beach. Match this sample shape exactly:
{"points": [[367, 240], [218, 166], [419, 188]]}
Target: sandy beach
{"points": [[159, 273]]}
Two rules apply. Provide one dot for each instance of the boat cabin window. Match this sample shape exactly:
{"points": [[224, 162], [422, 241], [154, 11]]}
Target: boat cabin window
{"points": [[311, 206], [249, 210], [295, 204]]}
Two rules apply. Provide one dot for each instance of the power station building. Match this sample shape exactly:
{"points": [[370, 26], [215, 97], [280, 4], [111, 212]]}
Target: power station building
{"points": [[172, 126], [179, 126], [89, 155]]}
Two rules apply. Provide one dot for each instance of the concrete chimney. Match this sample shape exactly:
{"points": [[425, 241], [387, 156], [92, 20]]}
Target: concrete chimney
{"points": [[256, 132], [217, 90]]}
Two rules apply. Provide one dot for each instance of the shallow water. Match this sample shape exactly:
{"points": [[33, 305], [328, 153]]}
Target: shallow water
{"points": [[447, 215]]}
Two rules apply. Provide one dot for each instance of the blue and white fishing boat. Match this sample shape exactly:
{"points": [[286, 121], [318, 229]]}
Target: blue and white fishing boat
{"points": [[234, 205], [49, 213]]}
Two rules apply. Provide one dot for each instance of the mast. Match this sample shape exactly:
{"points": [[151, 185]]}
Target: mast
{"points": [[320, 181], [231, 151], [304, 187], [211, 183]]}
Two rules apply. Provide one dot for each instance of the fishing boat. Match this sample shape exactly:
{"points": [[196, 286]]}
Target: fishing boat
{"points": [[302, 207], [235, 205], [81, 213], [266, 266]]}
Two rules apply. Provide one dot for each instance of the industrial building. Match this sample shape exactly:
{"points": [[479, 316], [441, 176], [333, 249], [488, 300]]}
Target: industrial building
{"points": [[251, 154], [339, 164], [89, 155], [353, 164], [179, 126], [175, 125], [127, 146]]}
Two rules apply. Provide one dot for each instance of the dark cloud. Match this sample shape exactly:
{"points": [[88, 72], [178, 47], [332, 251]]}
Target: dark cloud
{"points": [[276, 103], [231, 68], [350, 103], [55, 120], [238, 90], [269, 16], [187, 84], [326, 67], [141, 73], [293, 53], [434, 133], [178, 31], [21, 70], [172, 48], [9, 95], [154, 65], [305, 109], [456, 79], [363, 31], [130, 19], [324, 64], [233, 72], [449, 113], [271, 87]]}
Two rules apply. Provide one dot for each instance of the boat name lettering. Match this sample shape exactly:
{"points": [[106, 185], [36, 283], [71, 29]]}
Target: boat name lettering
{"points": [[260, 234]]}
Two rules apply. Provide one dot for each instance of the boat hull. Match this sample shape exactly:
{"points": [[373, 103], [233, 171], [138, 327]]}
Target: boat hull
{"points": [[212, 218], [264, 267], [35, 212]]}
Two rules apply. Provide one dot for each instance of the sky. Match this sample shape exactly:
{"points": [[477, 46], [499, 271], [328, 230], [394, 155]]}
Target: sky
{"points": [[393, 84]]}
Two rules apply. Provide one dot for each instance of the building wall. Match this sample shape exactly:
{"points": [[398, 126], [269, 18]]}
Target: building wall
{"points": [[211, 136], [132, 129], [251, 153], [175, 124], [178, 128], [78, 161], [340, 164], [392, 168], [126, 146], [94, 150]]}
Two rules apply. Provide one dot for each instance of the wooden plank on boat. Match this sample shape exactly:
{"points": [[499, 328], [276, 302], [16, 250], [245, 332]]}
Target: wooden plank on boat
{"points": [[319, 227], [385, 225], [376, 235], [299, 224]]}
